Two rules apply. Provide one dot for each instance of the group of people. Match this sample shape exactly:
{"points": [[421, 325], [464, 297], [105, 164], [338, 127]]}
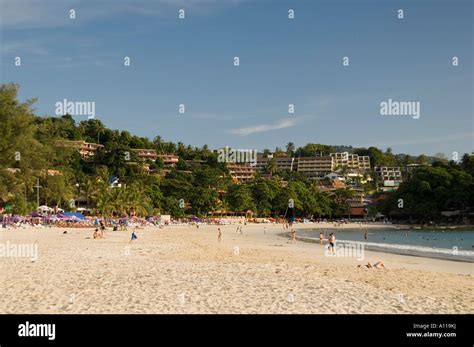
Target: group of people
{"points": [[99, 232], [332, 244], [331, 241], [239, 230]]}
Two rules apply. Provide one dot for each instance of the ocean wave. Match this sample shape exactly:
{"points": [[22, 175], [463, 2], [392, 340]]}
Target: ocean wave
{"points": [[448, 253], [394, 246]]}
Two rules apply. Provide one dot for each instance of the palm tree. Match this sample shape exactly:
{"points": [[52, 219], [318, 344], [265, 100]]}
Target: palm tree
{"points": [[341, 198], [118, 200], [103, 203], [89, 187], [272, 167], [290, 148]]}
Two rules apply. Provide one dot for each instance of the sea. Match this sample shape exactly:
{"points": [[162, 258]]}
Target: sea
{"points": [[445, 244]]}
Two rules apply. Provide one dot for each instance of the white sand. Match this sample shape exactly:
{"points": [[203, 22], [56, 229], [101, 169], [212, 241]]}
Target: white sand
{"points": [[185, 270]]}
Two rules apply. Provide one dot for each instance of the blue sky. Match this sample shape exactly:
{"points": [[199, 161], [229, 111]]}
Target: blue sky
{"points": [[282, 62]]}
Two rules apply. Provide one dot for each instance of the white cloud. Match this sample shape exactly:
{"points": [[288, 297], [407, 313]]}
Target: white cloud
{"points": [[281, 124], [30, 46]]}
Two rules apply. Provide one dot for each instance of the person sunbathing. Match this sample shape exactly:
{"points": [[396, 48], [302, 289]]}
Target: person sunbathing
{"points": [[377, 265]]}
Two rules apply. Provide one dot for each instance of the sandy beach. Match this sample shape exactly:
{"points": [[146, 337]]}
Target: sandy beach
{"points": [[182, 269]]}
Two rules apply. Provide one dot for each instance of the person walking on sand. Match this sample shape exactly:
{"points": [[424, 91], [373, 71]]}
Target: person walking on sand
{"points": [[134, 235], [321, 237], [219, 235], [264, 230]]}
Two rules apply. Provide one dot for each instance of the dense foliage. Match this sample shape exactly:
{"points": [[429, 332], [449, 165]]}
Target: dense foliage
{"points": [[29, 144]]}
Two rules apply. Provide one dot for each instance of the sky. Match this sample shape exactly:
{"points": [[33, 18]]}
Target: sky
{"points": [[283, 61]]}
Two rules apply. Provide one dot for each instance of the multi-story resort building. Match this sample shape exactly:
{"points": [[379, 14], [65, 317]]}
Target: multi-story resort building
{"points": [[319, 166], [241, 173], [86, 149], [351, 161], [283, 163], [315, 167], [388, 177], [388, 173], [311, 166], [169, 160], [261, 164], [364, 163], [145, 154]]}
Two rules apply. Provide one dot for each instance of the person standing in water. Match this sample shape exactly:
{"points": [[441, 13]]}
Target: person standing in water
{"points": [[366, 235], [321, 237], [332, 242], [293, 235]]}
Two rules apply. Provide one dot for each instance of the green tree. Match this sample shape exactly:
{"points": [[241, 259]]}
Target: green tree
{"points": [[264, 193], [239, 198], [57, 191], [272, 167], [290, 149], [341, 201]]}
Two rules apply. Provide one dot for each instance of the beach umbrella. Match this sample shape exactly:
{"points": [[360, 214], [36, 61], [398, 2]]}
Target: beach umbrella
{"points": [[71, 215]]}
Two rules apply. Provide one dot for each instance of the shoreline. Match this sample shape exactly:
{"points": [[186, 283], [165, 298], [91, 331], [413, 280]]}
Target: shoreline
{"points": [[392, 250], [463, 259]]}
